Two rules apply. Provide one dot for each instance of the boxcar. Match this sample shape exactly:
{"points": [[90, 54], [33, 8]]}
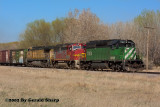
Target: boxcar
{"points": [[5, 57], [18, 56]]}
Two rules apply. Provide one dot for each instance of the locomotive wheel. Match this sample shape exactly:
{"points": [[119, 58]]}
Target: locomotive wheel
{"points": [[113, 67], [72, 66], [118, 68], [86, 68]]}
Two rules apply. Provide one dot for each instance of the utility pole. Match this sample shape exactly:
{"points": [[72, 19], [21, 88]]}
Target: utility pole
{"points": [[148, 37]]}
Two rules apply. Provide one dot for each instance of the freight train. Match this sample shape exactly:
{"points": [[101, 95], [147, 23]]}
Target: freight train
{"points": [[114, 54]]}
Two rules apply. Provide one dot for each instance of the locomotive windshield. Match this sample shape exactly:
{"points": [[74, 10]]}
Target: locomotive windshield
{"points": [[128, 43], [76, 47]]}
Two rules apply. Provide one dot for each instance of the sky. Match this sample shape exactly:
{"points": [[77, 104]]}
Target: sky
{"points": [[16, 14]]}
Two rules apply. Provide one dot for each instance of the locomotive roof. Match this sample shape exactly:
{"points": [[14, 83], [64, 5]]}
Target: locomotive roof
{"points": [[17, 49], [62, 45], [66, 44], [51, 47], [42, 47], [110, 42], [38, 47], [103, 42]]}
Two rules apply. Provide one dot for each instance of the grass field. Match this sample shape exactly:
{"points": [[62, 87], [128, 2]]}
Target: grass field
{"points": [[78, 88]]}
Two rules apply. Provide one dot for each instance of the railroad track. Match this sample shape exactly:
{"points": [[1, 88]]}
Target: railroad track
{"points": [[105, 71]]}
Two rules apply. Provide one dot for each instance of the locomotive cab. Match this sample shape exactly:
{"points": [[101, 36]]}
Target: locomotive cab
{"points": [[127, 53], [69, 55], [127, 49], [77, 51]]}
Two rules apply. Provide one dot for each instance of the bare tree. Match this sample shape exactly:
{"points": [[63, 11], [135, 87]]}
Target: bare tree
{"points": [[84, 26]]}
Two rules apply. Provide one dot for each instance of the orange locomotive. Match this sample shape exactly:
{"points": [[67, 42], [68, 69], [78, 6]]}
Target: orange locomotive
{"points": [[5, 57], [59, 56]]}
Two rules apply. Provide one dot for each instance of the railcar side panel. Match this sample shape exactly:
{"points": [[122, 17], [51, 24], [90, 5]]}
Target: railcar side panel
{"points": [[36, 54], [62, 55], [102, 54], [5, 56], [18, 56]]}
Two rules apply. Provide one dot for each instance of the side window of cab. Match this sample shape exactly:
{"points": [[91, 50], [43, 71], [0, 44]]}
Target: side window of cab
{"points": [[76, 47], [70, 48]]}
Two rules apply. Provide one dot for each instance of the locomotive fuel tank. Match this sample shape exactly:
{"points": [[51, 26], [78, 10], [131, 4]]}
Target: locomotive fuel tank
{"points": [[100, 65]]}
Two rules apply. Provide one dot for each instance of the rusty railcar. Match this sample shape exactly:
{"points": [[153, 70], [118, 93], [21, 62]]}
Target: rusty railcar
{"points": [[5, 57]]}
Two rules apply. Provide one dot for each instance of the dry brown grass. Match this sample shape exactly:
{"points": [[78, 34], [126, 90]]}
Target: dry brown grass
{"points": [[78, 88]]}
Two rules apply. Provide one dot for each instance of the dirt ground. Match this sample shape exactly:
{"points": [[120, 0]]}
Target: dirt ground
{"points": [[77, 88]]}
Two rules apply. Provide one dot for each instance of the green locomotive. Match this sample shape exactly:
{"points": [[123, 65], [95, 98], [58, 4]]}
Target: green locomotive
{"points": [[116, 54]]}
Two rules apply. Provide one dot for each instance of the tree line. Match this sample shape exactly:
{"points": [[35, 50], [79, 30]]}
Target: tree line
{"points": [[83, 26]]}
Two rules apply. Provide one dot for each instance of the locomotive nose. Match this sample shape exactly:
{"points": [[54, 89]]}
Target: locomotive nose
{"points": [[130, 53]]}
